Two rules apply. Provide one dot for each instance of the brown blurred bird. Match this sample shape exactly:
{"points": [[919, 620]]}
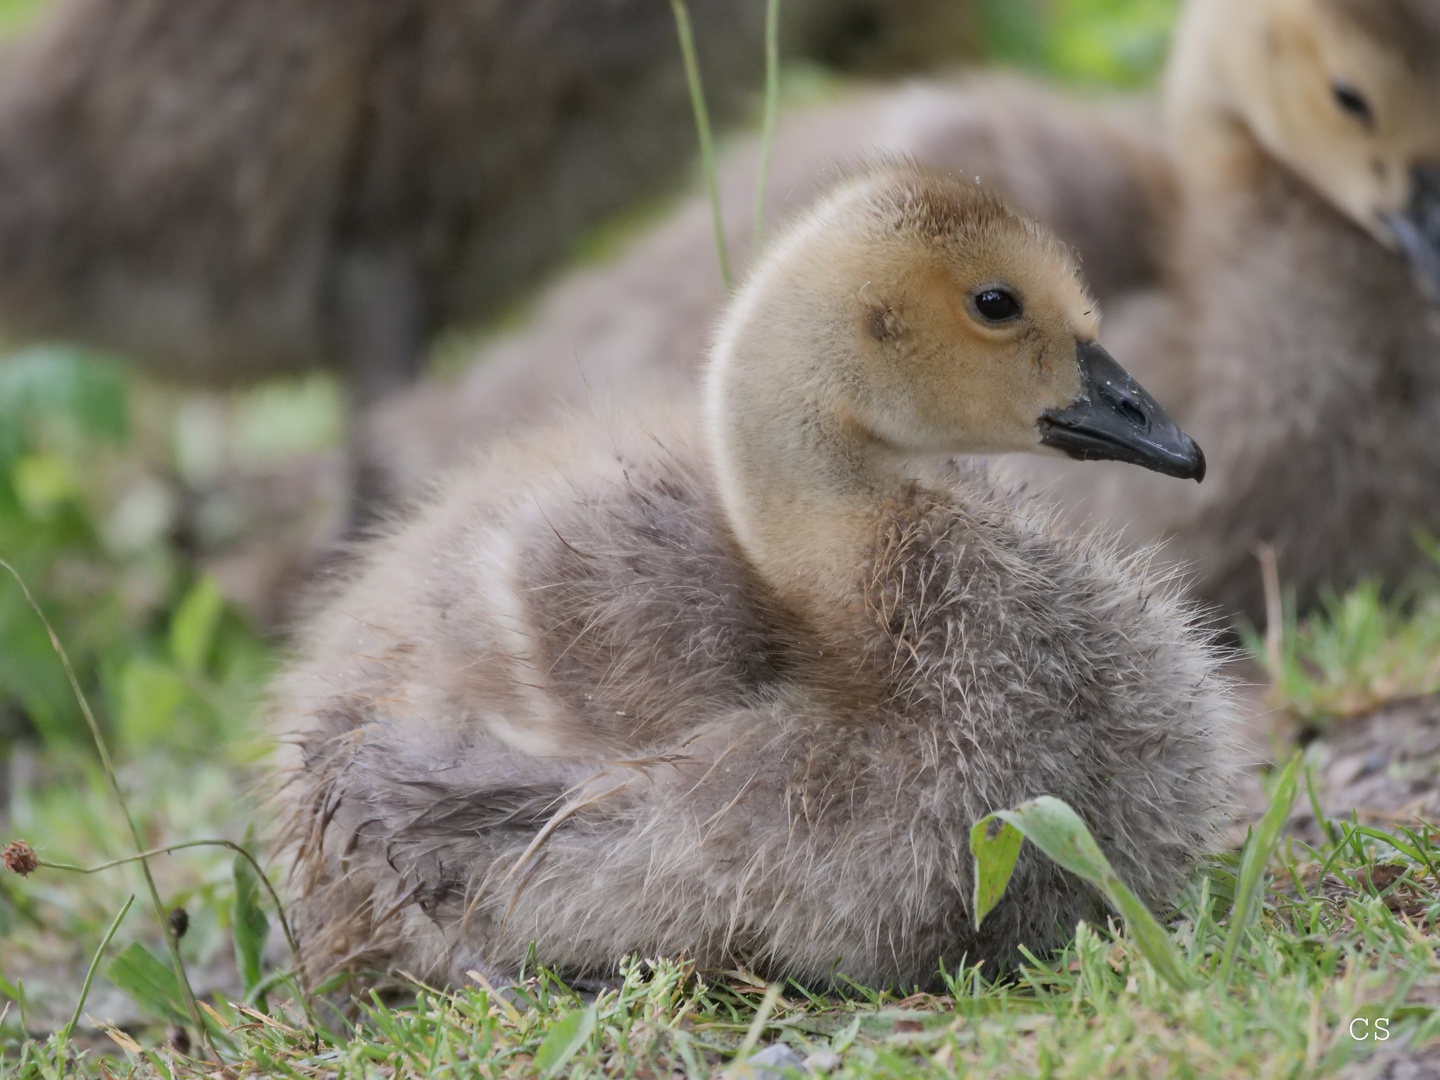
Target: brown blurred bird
{"points": [[1293, 335], [226, 189]]}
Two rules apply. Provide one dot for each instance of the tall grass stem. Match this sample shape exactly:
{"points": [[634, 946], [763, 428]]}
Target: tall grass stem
{"points": [[702, 126], [757, 1027], [173, 945], [69, 1028], [169, 848], [772, 113]]}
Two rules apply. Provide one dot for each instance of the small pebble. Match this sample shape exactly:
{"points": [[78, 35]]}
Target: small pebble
{"points": [[776, 1062], [823, 1061]]}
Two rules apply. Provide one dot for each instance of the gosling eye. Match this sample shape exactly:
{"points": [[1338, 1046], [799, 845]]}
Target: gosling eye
{"points": [[996, 305], [1352, 101]]}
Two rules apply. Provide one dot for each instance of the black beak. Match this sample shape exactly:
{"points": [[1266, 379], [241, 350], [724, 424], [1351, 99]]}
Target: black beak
{"points": [[1418, 229], [1116, 420]]}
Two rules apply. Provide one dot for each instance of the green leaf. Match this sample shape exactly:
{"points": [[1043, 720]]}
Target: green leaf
{"points": [[566, 1037], [193, 626], [251, 927], [151, 694], [43, 483], [995, 858], [1057, 830], [1258, 848], [150, 982]]}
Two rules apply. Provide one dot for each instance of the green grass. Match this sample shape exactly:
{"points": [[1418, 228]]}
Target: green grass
{"points": [[1359, 650], [1343, 935], [1089, 42]]}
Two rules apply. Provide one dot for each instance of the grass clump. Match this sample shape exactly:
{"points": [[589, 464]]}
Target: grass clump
{"points": [[1355, 652], [1292, 979]]}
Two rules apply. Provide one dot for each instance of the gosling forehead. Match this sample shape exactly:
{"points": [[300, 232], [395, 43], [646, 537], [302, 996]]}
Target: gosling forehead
{"points": [[915, 217]]}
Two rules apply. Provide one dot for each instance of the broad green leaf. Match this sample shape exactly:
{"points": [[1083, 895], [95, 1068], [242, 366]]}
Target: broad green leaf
{"points": [[995, 858], [1057, 830], [194, 625], [251, 927], [1258, 848], [151, 694], [150, 982], [566, 1037]]}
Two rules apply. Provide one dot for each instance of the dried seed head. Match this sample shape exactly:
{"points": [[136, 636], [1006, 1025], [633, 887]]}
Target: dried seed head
{"points": [[179, 922], [20, 857]]}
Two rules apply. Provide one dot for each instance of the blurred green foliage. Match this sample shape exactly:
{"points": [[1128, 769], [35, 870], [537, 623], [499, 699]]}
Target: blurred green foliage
{"points": [[15, 14], [1358, 650], [94, 535], [1105, 42]]}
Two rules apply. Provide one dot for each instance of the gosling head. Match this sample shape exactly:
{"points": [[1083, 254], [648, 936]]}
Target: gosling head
{"points": [[919, 315], [1345, 92]]}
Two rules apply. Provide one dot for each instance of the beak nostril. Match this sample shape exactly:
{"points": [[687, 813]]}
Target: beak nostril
{"points": [[1125, 405]]}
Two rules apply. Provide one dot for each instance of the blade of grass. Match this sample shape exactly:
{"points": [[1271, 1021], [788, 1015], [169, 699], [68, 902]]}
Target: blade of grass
{"points": [[1319, 811], [757, 1026], [1052, 826], [564, 1041], [161, 915], [149, 982], [69, 1029], [1258, 849], [702, 126], [250, 929], [772, 112], [1420, 847]]}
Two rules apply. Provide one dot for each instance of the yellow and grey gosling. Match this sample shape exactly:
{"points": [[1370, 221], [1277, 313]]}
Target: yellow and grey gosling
{"points": [[1294, 336], [736, 684]]}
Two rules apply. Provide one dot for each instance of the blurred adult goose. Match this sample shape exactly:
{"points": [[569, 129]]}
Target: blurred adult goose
{"points": [[737, 685], [227, 189], [1294, 336]]}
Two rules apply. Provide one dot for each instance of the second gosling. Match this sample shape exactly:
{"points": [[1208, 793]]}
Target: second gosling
{"points": [[738, 685]]}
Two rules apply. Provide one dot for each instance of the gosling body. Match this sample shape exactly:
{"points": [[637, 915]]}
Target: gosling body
{"points": [[737, 685]]}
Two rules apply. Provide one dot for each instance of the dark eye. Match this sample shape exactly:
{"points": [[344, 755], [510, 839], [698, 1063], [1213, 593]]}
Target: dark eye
{"points": [[996, 305], [1352, 101]]}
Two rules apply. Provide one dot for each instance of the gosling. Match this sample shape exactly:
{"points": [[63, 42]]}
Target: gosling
{"points": [[736, 685], [1296, 333]]}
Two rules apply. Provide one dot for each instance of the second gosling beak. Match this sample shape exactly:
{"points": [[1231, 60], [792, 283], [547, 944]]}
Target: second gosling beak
{"points": [[1116, 420], [1417, 230]]}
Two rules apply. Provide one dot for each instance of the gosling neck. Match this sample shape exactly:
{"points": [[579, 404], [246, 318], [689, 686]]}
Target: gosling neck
{"points": [[800, 479], [1208, 132]]}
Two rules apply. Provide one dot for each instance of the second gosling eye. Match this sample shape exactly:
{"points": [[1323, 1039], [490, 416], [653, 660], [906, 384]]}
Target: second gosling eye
{"points": [[1352, 101], [996, 305]]}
